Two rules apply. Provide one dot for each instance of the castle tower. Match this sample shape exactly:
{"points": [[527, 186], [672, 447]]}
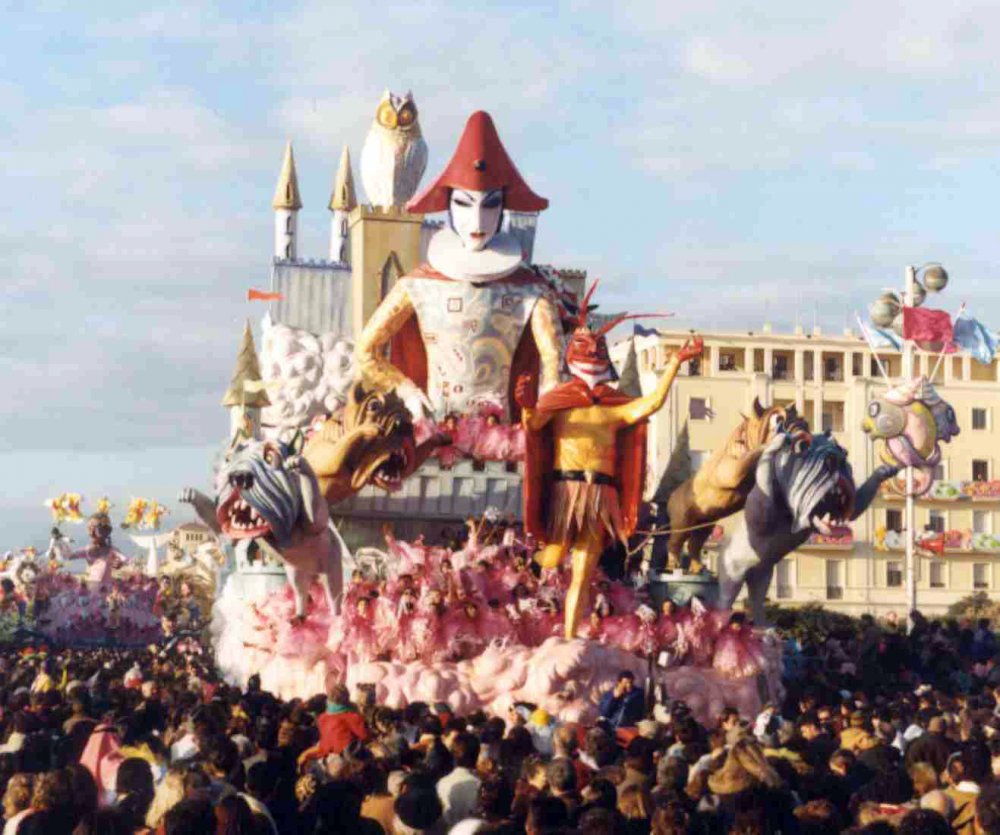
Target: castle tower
{"points": [[523, 226], [286, 205], [342, 202], [246, 394], [385, 244]]}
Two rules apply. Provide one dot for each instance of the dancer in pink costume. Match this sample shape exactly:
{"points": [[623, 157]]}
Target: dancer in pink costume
{"points": [[469, 628], [739, 653], [667, 632], [405, 623], [409, 557], [699, 630], [358, 588], [492, 439], [623, 631], [359, 640]]}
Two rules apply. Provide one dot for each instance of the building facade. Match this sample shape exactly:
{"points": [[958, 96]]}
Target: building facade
{"points": [[831, 379]]}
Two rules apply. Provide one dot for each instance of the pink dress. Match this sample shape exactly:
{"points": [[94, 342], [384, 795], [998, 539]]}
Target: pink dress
{"points": [[468, 636], [698, 628], [666, 632], [360, 642], [738, 653], [101, 564]]}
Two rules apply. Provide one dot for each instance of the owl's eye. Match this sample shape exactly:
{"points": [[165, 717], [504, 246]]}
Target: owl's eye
{"points": [[407, 116], [387, 116]]}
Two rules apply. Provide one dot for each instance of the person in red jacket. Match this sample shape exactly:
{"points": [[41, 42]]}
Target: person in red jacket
{"points": [[338, 727]]}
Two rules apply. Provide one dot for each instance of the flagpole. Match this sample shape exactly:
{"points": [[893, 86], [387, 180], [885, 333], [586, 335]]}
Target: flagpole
{"points": [[910, 523]]}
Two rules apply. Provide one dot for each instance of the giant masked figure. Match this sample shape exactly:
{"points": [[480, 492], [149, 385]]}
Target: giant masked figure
{"points": [[585, 458], [475, 316]]}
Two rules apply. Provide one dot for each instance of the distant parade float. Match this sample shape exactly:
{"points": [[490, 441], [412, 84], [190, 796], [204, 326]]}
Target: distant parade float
{"points": [[95, 595]]}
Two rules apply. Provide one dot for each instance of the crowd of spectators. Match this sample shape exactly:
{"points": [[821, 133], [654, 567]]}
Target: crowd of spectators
{"points": [[880, 732]]}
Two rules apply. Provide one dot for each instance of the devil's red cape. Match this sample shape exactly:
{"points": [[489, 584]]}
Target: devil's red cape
{"points": [[630, 455]]}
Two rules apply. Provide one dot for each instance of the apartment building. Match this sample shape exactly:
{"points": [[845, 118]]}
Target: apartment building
{"points": [[831, 379]]}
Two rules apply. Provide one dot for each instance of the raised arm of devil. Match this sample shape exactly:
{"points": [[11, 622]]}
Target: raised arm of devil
{"points": [[642, 407]]}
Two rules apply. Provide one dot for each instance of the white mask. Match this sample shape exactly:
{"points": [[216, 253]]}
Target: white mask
{"points": [[476, 216]]}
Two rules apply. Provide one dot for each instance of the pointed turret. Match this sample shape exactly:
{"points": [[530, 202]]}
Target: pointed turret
{"points": [[286, 205], [343, 198], [286, 193], [343, 201]]}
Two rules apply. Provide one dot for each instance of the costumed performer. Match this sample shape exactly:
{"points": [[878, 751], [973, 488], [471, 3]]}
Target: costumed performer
{"points": [[463, 326], [585, 456], [102, 557]]}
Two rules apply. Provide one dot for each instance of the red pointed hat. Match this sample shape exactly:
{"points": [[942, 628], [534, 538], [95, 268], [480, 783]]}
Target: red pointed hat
{"points": [[480, 163]]}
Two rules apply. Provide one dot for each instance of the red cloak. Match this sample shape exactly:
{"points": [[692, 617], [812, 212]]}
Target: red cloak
{"points": [[407, 351], [630, 456]]}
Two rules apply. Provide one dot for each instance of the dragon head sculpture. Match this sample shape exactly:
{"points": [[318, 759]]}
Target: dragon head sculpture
{"points": [[372, 443]]}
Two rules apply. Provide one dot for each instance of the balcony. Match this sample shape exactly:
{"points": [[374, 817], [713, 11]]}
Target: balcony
{"points": [[949, 543], [730, 363], [835, 542], [949, 492]]}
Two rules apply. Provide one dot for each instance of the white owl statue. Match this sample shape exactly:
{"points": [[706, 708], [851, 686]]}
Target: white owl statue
{"points": [[394, 155]]}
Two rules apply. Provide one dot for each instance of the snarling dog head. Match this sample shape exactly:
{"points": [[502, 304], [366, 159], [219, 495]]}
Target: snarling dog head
{"points": [[811, 476], [386, 455], [260, 492]]}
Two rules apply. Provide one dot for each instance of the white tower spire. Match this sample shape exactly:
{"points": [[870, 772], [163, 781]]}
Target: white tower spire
{"points": [[286, 205], [342, 201]]}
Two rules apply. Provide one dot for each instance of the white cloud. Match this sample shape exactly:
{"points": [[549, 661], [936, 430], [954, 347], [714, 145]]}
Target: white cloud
{"points": [[713, 61]]}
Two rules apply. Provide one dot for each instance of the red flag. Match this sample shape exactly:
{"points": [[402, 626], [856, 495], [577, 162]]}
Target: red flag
{"points": [[262, 296], [925, 325]]}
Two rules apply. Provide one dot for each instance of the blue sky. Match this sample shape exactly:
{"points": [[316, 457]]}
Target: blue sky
{"points": [[789, 158]]}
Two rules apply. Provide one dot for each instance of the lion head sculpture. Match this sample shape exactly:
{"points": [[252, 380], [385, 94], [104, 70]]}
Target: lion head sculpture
{"points": [[756, 430]]}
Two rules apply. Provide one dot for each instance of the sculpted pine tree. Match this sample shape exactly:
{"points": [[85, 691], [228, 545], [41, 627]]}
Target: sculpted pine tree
{"points": [[678, 469], [628, 382], [247, 371]]}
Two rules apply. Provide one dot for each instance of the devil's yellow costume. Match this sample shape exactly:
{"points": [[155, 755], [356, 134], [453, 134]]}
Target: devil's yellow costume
{"points": [[584, 471]]}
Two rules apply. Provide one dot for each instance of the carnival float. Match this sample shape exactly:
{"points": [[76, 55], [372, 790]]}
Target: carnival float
{"points": [[470, 365], [432, 363]]}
